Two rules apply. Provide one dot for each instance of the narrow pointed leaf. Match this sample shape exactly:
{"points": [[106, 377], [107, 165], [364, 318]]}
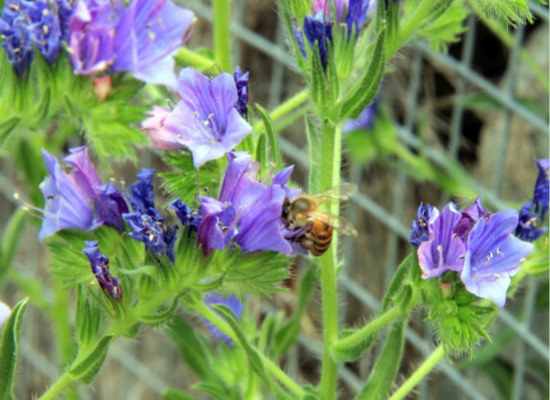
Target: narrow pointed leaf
{"points": [[399, 279], [271, 137], [318, 82], [8, 350], [162, 316], [6, 127], [314, 142], [87, 369], [386, 367], [364, 92]]}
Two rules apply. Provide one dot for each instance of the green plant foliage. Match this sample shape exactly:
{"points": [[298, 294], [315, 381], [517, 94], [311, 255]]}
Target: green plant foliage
{"points": [[509, 12], [185, 181], [8, 350], [385, 369], [87, 368]]}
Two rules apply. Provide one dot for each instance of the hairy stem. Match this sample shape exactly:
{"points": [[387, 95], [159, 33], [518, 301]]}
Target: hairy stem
{"points": [[356, 338], [222, 34], [331, 142], [425, 368]]}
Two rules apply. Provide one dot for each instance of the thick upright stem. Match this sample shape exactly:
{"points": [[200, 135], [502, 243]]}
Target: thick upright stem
{"points": [[329, 177], [222, 34]]}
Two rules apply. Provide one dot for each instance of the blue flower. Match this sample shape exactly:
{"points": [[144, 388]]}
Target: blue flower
{"points": [[25, 24], [146, 222], [318, 30], [241, 83], [65, 9], [187, 216], [478, 245], [419, 230], [229, 300], [78, 200], [148, 34], [541, 192], [100, 268], [205, 120], [247, 212], [532, 214], [493, 255]]}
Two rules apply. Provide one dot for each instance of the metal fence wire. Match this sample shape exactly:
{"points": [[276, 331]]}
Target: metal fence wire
{"points": [[496, 143]]}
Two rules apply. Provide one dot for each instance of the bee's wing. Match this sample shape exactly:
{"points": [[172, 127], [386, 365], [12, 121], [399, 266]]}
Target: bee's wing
{"points": [[341, 192], [341, 224]]}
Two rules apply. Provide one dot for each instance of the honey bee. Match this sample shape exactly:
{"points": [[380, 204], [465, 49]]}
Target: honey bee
{"points": [[311, 228]]}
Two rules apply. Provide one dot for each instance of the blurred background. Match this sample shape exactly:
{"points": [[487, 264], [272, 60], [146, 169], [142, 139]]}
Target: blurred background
{"points": [[448, 126]]}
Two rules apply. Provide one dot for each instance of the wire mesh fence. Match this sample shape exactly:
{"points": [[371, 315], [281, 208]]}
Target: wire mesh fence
{"points": [[428, 122]]}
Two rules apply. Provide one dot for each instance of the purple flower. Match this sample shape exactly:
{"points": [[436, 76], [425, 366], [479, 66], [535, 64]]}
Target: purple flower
{"points": [[92, 34], [493, 255], [318, 30], [25, 24], [100, 268], [229, 300], [247, 212], [528, 224], [541, 193], [65, 10], [78, 200], [443, 250], [187, 216], [355, 11], [366, 118], [533, 213], [147, 36], [419, 230], [146, 222], [241, 83], [478, 245], [205, 120]]}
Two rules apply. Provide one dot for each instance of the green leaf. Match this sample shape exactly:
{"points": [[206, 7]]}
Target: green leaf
{"points": [[253, 357], [318, 87], [399, 279], [6, 127], [8, 350], [385, 369], [162, 315], [314, 142], [87, 319], [261, 154], [193, 348], [506, 11], [173, 394], [87, 368], [445, 24], [10, 238], [364, 92], [271, 137]]}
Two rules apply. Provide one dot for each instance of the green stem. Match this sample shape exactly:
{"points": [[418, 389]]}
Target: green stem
{"points": [[357, 337], [222, 34], [425, 368], [422, 10], [331, 149], [54, 390], [189, 57], [288, 106], [273, 368]]}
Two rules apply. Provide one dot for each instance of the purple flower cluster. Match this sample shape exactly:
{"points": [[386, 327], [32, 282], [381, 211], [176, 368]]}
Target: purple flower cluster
{"points": [[78, 199], [25, 24], [354, 11], [100, 268], [146, 222], [141, 38], [247, 212], [476, 244], [533, 213], [208, 119]]}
